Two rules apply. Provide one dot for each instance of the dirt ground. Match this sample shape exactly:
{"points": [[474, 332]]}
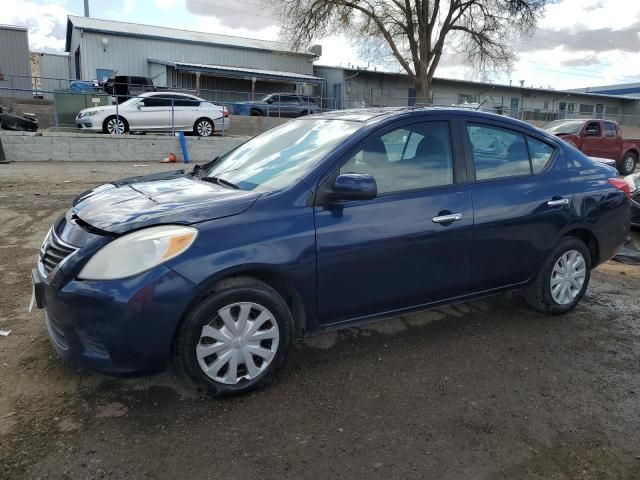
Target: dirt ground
{"points": [[482, 390]]}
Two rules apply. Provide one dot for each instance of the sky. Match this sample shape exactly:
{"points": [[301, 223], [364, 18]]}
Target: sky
{"points": [[578, 43]]}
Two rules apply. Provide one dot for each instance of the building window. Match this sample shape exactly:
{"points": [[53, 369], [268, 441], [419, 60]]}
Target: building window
{"points": [[611, 110], [467, 98], [586, 108], [546, 105]]}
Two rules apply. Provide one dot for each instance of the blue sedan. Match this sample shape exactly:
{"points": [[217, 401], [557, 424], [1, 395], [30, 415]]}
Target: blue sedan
{"points": [[321, 223]]}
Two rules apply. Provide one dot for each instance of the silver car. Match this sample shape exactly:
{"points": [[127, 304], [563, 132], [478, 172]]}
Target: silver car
{"points": [[157, 112]]}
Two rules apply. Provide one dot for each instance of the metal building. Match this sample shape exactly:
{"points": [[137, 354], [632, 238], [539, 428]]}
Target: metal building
{"points": [[15, 68], [353, 88], [50, 73], [206, 62]]}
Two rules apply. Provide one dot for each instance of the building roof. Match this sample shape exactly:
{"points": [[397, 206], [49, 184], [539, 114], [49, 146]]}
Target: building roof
{"points": [[488, 85], [165, 33], [628, 90], [235, 72], [13, 27]]}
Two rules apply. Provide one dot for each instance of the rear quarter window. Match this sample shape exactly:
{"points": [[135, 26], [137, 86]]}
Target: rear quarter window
{"points": [[540, 153]]}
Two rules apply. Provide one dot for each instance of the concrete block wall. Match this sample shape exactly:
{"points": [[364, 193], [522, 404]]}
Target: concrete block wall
{"points": [[58, 146]]}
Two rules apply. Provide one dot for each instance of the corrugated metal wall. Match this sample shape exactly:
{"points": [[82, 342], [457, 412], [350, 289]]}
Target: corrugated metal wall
{"points": [[129, 55], [15, 62], [54, 67]]}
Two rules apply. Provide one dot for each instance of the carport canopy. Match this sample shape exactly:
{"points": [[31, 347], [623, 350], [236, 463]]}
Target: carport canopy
{"points": [[241, 72]]}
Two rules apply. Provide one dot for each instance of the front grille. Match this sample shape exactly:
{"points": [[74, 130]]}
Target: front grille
{"points": [[54, 251]]}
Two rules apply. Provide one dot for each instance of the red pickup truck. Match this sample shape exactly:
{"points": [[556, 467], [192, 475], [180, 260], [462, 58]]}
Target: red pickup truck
{"points": [[599, 138]]}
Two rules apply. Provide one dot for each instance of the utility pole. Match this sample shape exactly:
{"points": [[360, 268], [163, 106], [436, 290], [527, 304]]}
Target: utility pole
{"points": [[86, 8]]}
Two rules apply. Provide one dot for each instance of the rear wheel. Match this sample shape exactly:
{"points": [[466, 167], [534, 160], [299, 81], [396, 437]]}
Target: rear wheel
{"points": [[628, 164], [562, 279], [203, 127], [235, 339], [255, 113], [115, 125]]}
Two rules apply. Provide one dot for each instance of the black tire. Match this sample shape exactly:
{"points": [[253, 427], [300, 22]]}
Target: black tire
{"points": [[255, 113], [105, 128], [227, 292], [203, 127], [538, 292], [628, 164]]}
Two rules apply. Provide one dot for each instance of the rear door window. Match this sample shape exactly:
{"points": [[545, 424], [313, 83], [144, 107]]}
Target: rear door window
{"points": [[498, 152], [289, 99], [182, 101], [610, 129]]}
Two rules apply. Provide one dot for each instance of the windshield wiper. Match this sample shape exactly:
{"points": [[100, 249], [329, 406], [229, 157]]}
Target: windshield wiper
{"points": [[221, 181], [198, 170]]}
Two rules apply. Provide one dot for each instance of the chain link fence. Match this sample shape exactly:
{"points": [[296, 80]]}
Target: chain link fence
{"points": [[57, 101]]}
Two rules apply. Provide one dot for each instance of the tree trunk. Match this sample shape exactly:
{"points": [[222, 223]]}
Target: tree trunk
{"points": [[423, 92]]}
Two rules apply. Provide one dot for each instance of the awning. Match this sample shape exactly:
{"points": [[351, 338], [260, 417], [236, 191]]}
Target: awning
{"points": [[241, 72]]}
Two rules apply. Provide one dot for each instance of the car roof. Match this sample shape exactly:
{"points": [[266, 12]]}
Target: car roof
{"points": [[168, 92], [377, 114]]}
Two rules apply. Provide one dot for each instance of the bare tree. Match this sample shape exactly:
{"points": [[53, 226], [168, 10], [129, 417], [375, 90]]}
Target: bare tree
{"points": [[416, 33]]}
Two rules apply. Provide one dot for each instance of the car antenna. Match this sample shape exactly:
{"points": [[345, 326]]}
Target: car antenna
{"points": [[483, 102]]}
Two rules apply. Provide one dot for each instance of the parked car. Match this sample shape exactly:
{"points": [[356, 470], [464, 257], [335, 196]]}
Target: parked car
{"points": [[322, 223], [599, 138], [157, 112], [27, 122], [278, 105], [123, 87]]}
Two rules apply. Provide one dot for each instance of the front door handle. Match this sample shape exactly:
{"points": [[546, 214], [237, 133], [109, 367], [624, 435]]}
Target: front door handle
{"points": [[558, 202], [452, 217]]}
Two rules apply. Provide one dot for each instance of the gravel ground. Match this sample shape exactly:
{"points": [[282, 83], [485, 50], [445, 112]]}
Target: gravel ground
{"points": [[481, 390]]}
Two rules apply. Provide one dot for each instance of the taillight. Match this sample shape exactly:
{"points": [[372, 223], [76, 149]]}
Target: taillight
{"points": [[225, 112], [621, 185]]}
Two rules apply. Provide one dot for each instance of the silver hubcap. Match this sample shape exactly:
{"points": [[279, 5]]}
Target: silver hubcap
{"points": [[204, 129], [628, 163], [568, 277], [239, 343], [115, 126]]}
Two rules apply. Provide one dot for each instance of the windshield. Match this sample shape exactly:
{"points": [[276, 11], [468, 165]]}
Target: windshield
{"points": [[280, 156], [564, 126], [130, 101]]}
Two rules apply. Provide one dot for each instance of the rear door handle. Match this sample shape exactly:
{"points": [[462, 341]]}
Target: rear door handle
{"points": [[558, 203], [452, 217]]}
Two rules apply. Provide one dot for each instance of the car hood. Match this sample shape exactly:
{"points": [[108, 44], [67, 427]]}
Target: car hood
{"points": [[104, 108], [163, 198]]}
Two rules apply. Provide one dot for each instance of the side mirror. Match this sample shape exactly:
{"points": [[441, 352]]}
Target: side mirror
{"points": [[354, 186], [591, 132], [139, 105], [270, 101]]}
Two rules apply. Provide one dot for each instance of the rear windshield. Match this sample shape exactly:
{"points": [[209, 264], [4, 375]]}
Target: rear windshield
{"points": [[564, 126], [277, 158]]}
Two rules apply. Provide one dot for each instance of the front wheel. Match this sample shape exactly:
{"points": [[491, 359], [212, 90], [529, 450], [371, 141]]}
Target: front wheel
{"points": [[115, 125], [203, 127], [562, 279], [628, 164], [235, 339]]}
